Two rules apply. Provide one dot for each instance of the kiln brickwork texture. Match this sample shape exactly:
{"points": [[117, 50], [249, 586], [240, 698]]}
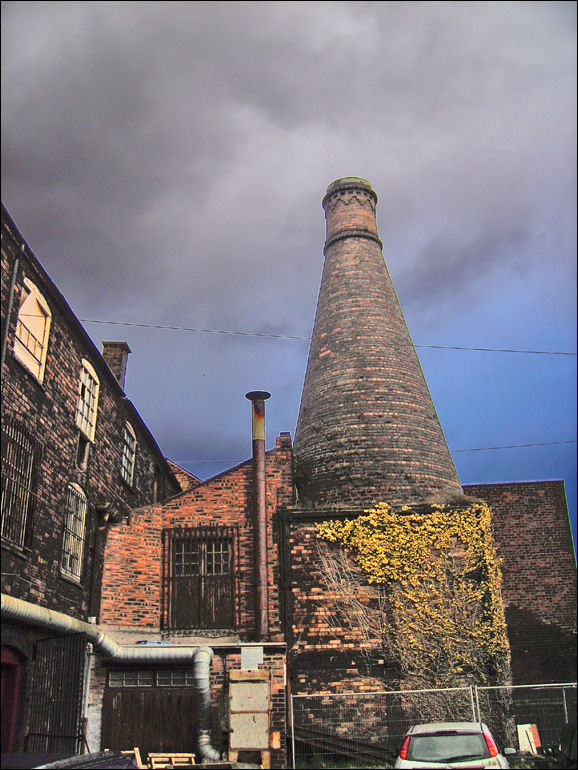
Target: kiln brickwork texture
{"points": [[367, 428]]}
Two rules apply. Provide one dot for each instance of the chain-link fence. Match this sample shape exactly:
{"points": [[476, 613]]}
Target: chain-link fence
{"points": [[547, 706], [365, 730]]}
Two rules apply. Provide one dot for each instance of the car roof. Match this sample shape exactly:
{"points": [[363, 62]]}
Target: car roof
{"points": [[437, 727]]}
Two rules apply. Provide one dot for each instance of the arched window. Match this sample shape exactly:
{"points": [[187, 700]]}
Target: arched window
{"points": [[74, 532], [32, 330], [128, 454], [87, 403]]}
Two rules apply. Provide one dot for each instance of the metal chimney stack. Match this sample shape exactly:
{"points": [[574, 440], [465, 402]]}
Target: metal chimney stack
{"points": [[257, 399]]}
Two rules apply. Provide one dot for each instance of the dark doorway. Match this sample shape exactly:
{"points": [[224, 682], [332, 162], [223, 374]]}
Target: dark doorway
{"points": [[57, 689], [11, 670], [156, 719]]}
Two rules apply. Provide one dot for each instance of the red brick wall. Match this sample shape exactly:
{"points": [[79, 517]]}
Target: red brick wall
{"points": [[533, 537], [131, 586], [321, 657]]}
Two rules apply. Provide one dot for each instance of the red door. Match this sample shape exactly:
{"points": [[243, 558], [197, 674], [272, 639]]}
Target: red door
{"points": [[11, 665]]}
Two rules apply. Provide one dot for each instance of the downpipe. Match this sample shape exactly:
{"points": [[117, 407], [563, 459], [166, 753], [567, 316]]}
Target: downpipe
{"points": [[201, 656]]}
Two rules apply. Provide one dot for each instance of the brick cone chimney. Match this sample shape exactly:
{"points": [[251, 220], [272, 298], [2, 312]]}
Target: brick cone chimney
{"points": [[367, 428]]}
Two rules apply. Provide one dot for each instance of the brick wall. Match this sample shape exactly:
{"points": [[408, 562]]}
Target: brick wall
{"points": [[322, 658], [532, 534], [131, 588], [47, 410], [367, 427]]}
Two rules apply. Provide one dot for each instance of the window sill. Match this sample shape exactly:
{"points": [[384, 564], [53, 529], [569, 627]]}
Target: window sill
{"points": [[37, 381], [130, 487], [19, 550], [73, 581]]}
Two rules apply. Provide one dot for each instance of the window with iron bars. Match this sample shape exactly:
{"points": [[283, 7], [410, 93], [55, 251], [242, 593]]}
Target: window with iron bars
{"points": [[74, 531], [199, 578], [20, 462], [128, 455]]}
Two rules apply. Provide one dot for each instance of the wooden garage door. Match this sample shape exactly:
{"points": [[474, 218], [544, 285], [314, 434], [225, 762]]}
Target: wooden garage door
{"points": [[155, 719]]}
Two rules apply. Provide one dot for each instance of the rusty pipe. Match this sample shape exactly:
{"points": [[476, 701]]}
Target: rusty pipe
{"points": [[257, 399]]}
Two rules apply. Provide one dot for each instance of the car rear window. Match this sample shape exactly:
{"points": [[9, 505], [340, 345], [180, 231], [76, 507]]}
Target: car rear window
{"points": [[447, 747]]}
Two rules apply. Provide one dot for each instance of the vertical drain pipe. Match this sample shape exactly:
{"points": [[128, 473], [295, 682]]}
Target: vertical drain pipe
{"points": [[257, 399]]}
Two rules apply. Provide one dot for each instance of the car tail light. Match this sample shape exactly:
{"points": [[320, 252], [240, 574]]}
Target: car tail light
{"points": [[491, 744], [404, 748]]}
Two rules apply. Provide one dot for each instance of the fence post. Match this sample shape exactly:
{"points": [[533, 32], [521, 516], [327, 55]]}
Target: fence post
{"points": [[565, 705], [479, 719], [292, 730]]}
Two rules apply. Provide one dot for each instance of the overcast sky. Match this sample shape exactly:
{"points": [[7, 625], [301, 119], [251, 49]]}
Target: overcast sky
{"points": [[166, 163]]}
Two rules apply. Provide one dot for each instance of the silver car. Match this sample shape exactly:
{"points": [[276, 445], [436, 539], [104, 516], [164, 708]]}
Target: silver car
{"points": [[451, 744]]}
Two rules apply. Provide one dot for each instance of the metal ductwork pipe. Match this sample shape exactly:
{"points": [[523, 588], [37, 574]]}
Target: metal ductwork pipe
{"points": [[257, 399], [201, 657]]}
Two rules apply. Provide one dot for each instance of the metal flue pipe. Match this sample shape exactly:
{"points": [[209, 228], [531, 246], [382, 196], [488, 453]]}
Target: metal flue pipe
{"points": [[257, 399], [199, 656]]}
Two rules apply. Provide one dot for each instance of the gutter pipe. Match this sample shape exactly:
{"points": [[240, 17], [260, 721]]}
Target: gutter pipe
{"points": [[9, 309], [201, 656]]}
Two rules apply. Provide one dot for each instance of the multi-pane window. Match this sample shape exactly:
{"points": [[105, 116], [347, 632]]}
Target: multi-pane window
{"points": [[87, 402], [128, 454], [32, 330], [150, 678], [20, 460], [130, 678], [74, 529], [199, 577], [202, 556]]}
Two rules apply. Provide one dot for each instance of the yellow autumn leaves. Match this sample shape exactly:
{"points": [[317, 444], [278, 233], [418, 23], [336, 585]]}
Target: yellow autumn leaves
{"points": [[442, 580]]}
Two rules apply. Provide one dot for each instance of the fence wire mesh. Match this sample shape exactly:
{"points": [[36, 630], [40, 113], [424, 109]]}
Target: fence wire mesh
{"points": [[548, 707], [366, 730]]}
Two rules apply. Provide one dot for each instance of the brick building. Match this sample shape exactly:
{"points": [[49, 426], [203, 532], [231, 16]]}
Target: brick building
{"points": [[228, 569], [75, 456]]}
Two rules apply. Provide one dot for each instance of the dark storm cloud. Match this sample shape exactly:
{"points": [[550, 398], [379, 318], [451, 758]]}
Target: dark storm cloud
{"points": [[165, 133], [167, 161]]}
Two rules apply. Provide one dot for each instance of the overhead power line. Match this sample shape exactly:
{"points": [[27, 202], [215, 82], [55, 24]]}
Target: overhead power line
{"points": [[475, 449], [308, 339], [513, 446]]}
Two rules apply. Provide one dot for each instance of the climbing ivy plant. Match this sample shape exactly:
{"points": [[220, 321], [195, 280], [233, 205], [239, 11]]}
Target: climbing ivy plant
{"points": [[423, 589]]}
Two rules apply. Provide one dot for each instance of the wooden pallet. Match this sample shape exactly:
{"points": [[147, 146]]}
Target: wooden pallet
{"points": [[170, 759], [136, 758]]}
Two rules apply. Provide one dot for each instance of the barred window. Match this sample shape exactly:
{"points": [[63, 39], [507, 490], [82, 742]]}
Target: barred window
{"points": [[128, 454], [74, 529], [32, 330], [20, 461], [87, 403], [200, 577]]}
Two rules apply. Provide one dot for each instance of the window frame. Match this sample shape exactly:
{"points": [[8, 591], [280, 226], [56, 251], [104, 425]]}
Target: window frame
{"points": [[86, 413], [18, 488], [25, 348], [74, 532], [128, 459], [198, 590]]}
